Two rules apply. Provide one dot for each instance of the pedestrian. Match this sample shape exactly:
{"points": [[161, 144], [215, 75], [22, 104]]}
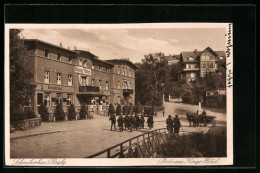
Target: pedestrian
{"points": [[169, 124], [176, 124], [120, 122], [141, 121], [113, 121], [150, 121], [131, 123], [163, 113], [136, 122], [204, 118], [126, 120]]}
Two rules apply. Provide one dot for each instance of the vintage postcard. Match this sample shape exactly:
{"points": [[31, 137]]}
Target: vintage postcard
{"points": [[153, 94]]}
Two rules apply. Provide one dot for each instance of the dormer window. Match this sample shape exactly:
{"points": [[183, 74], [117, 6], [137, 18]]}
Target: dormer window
{"points": [[221, 57], [70, 59], [191, 58], [46, 53], [58, 57], [85, 63], [80, 62]]}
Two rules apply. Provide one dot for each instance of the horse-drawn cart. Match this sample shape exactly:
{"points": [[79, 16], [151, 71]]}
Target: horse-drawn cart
{"points": [[204, 119]]}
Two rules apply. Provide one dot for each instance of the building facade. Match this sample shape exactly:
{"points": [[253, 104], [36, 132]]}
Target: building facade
{"points": [[200, 63], [77, 77], [216, 97]]}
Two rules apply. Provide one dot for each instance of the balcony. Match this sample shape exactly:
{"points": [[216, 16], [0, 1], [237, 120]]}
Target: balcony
{"points": [[128, 91], [89, 89], [191, 69]]}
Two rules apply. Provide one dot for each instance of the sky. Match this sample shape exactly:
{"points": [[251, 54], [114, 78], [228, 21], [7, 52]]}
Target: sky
{"points": [[132, 43]]}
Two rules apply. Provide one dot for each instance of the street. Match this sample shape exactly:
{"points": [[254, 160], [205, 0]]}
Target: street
{"points": [[78, 139]]}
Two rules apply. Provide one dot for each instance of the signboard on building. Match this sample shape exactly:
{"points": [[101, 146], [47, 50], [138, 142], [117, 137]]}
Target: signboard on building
{"points": [[82, 70]]}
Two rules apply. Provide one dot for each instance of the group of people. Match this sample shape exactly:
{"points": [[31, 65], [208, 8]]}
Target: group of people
{"points": [[130, 122], [173, 124]]}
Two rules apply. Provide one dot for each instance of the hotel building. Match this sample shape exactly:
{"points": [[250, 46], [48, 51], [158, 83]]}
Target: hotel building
{"points": [[78, 77]]}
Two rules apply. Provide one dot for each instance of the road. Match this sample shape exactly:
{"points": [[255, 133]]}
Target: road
{"points": [[78, 139]]}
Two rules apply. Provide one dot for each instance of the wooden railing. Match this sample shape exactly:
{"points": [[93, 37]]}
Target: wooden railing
{"points": [[141, 146]]}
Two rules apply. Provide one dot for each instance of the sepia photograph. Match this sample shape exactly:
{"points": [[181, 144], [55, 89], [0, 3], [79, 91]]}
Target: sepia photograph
{"points": [[119, 94]]}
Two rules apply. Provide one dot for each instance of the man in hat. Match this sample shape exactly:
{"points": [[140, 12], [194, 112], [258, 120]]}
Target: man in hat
{"points": [[176, 124], [169, 124], [113, 121], [120, 122]]}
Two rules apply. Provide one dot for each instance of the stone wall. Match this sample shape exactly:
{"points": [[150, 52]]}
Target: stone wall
{"points": [[26, 124]]}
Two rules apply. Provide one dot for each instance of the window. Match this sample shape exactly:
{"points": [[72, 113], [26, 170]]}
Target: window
{"points": [[70, 59], [47, 99], [221, 57], [211, 65], [192, 75], [126, 71], [80, 62], [58, 57], [203, 57], [191, 58], [189, 66], [69, 99], [123, 71], [39, 99], [93, 66], [130, 85], [85, 63], [93, 82], [100, 84], [46, 76], [204, 65], [69, 80], [118, 69], [130, 73], [99, 68], [83, 80], [107, 70], [106, 85], [118, 84], [46, 53], [207, 56], [59, 78], [59, 97]]}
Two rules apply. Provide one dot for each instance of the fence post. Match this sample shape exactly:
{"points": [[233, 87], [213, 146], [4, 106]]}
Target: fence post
{"points": [[108, 153], [121, 151]]}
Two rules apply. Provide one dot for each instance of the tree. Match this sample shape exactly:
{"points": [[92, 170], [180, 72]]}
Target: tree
{"points": [[21, 86], [59, 113], [150, 77], [71, 112], [118, 110], [43, 111], [111, 109], [83, 111]]}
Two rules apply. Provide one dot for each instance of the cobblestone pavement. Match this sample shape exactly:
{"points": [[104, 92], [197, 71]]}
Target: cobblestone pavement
{"points": [[78, 139]]}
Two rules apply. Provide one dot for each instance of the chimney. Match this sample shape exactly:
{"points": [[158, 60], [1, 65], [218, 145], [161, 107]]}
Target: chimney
{"points": [[60, 44], [75, 48], [195, 51]]}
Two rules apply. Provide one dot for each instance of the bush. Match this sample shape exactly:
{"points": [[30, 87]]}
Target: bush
{"points": [[59, 113], [71, 112], [111, 109], [194, 145], [118, 110], [43, 111], [22, 115], [83, 111]]}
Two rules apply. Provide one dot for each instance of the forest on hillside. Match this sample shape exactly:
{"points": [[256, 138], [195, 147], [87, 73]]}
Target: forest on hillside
{"points": [[155, 77]]}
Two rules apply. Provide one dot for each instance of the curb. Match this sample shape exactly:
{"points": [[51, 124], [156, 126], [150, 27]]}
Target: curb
{"points": [[36, 134]]}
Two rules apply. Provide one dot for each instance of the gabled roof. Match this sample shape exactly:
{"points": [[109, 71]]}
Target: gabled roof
{"points": [[171, 57], [221, 53], [126, 61], [50, 44], [92, 56], [186, 55]]}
